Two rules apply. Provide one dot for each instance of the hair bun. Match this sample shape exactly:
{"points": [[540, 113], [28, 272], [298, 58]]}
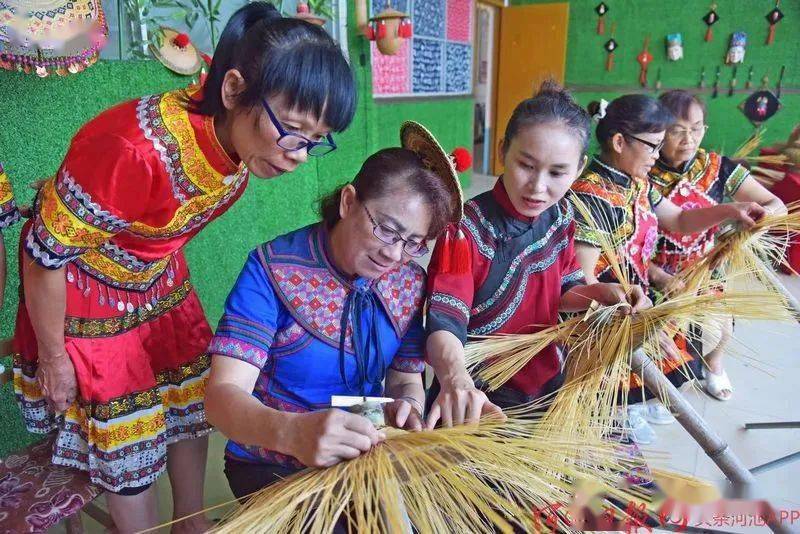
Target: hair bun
{"points": [[551, 87]]}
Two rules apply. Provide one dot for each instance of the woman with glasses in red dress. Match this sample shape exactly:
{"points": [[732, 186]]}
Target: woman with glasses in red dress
{"points": [[111, 337], [628, 211]]}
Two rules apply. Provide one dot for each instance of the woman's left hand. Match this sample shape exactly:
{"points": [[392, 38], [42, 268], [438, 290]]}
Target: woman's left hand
{"points": [[403, 413], [611, 294]]}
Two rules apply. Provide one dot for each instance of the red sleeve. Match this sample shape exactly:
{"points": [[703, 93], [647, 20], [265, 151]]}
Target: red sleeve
{"points": [[450, 295], [100, 189]]}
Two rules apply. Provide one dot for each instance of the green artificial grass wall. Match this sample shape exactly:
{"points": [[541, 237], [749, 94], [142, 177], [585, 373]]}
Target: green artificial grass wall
{"points": [[656, 18], [39, 117]]}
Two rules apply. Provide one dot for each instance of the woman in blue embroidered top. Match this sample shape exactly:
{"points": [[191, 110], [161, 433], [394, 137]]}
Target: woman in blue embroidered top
{"points": [[331, 309]]}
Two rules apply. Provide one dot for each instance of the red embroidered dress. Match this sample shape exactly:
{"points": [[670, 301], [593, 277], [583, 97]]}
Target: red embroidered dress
{"points": [[704, 182], [9, 214], [137, 183], [520, 268], [622, 209]]}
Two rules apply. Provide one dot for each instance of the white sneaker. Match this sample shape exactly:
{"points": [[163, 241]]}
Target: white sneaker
{"points": [[658, 414], [639, 430]]}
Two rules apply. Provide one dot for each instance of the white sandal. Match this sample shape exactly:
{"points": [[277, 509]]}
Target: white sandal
{"points": [[715, 384]]}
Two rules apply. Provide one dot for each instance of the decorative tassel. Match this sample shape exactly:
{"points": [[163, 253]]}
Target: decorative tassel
{"points": [[461, 261], [771, 34], [455, 257], [405, 30], [610, 61], [381, 30], [709, 34], [601, 26]]}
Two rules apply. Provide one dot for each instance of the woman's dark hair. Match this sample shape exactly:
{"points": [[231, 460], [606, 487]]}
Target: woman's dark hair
{"points": [[281, 56], [552, 103], [388, 172], [679, 102], [631, 115]]}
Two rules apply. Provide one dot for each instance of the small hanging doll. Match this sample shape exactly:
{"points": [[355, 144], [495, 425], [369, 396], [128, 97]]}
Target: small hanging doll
{"points": [[674, 46], [710, 19], [644, 58], [736, 51], [773, 17], [761, 105], [601, 9], [610, 46]]}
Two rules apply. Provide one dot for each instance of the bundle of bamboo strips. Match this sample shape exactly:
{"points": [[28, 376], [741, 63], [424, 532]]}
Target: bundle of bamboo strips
{"points": [[472, 478], [739, 253]]}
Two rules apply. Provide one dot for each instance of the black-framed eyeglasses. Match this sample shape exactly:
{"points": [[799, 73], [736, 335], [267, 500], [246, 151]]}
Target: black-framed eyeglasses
{"points": [[390, 236], [654, 147], [291, 141]]}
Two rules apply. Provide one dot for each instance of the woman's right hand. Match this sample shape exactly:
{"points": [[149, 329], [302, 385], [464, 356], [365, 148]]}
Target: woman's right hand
{"points": [[56, 377], [325, 438], [459, 402]]}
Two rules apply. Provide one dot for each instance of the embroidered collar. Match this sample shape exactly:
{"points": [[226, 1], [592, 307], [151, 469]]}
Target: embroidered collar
{"points": [[700, 157], [610, 173], [500, 194], [314, 292]]}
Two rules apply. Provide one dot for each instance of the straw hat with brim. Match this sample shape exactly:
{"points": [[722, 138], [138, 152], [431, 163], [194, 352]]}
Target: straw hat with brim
{"points": [[418, 139], [177, 52], [388, 14]]}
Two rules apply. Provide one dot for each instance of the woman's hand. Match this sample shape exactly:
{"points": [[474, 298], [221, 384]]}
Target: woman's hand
{"points": [[56, 377], [327, 437], [459, 402], [746, 213], [404, 413], [668, 347], [612, 294]]}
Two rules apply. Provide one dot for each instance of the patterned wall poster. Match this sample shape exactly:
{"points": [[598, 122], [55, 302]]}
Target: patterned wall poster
{"points": [[437, 60]]}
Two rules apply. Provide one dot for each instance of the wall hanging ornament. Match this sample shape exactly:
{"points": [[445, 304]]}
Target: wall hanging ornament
{"points": [[601, 9], [736, 49], [388, 29], [644, 58], [779, 87], [732, 86], [177, 52], [749, 83], [710, 19], [715, 91], [773, 17], [305, 13], [761, 105], [610, 46], [51, 36], [674, 46]]}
